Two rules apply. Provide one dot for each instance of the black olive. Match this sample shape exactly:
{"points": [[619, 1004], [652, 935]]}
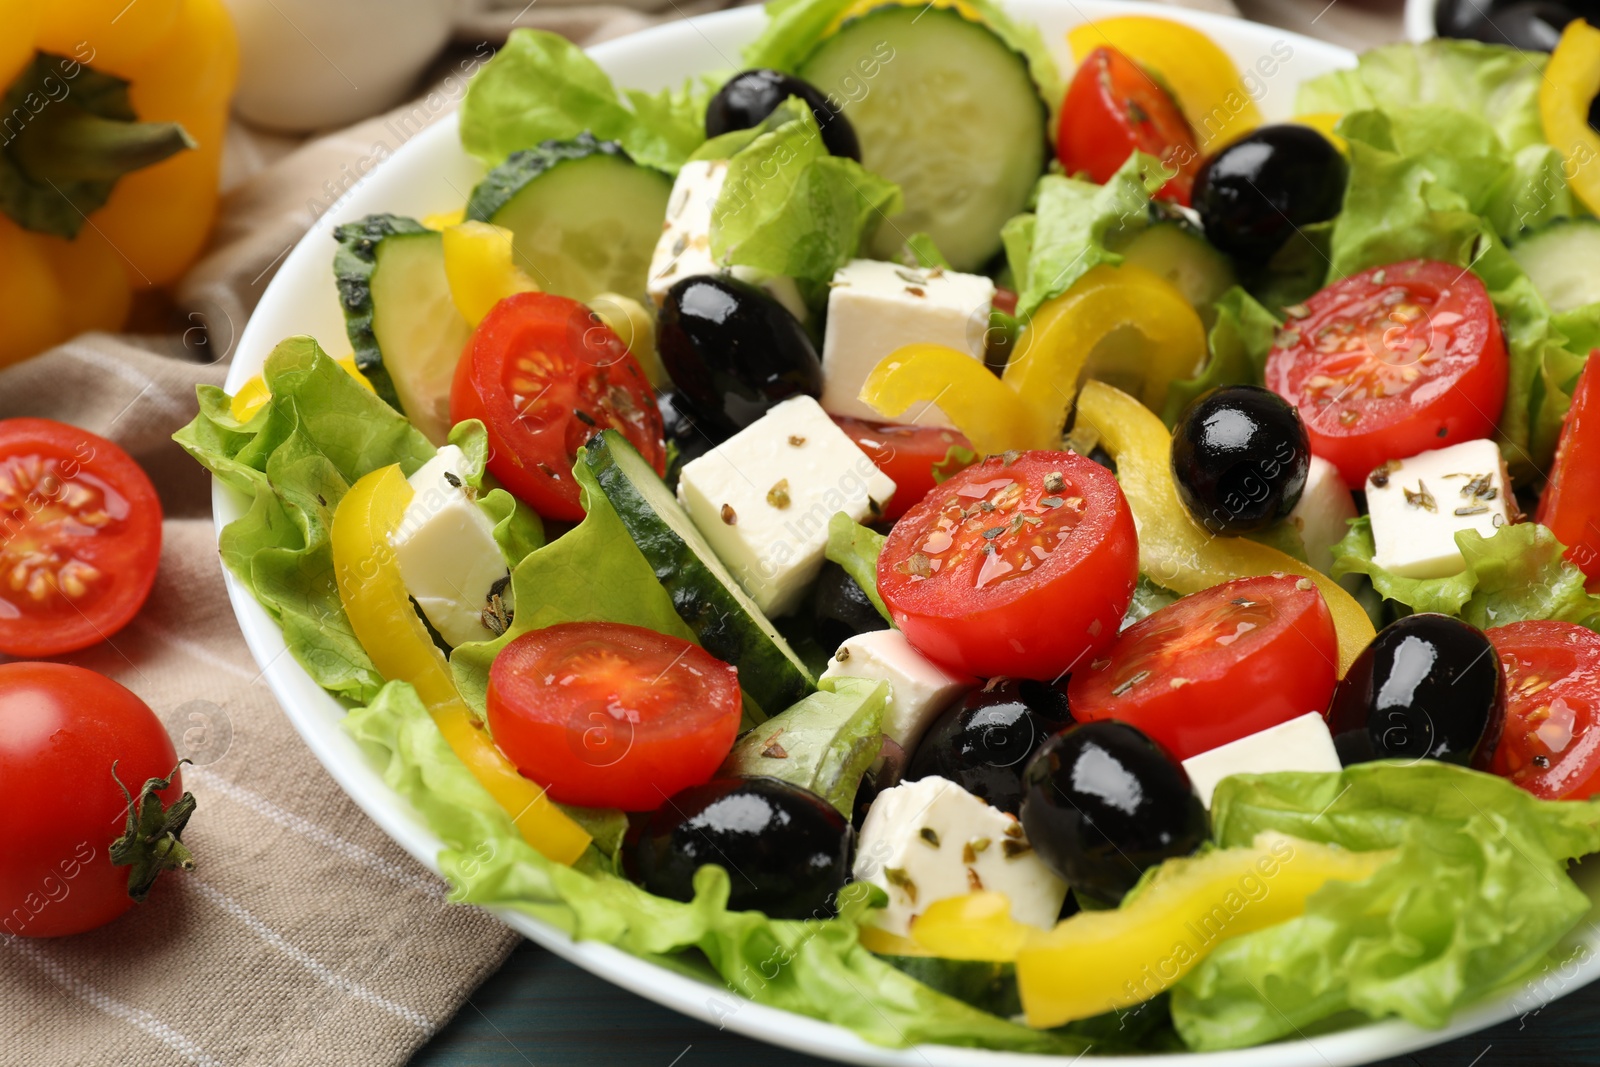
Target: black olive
{"points": [[840, 608], [681, 429], [1428, 687], [1104, 803], [751, 95], [1532, 25], [1240, 457], [1260, 189], [733, 352], [983, 743], [786, 851]]}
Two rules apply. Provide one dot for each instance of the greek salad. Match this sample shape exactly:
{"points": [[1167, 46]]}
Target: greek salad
{"points": [[976, 557]]}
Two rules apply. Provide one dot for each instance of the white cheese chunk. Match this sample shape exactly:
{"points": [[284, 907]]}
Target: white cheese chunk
{"points": [[1322, 517], [763, 498], [930, 839], [1302, 744], [1418, 504], [919, 689], [446, 551], [684, 248], [874, 308]]}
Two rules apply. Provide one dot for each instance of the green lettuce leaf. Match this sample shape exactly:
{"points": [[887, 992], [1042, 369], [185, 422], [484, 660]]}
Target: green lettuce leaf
{"points": [[1515, 575], [1073, 227], [791, 209], [1477, 897], [825, 743], [815, 967], [856, 548], [1239, 342], [540, 86]]}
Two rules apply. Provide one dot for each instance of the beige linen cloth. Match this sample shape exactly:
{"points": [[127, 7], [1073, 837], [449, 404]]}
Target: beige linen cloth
{"points": [[304, 936]]}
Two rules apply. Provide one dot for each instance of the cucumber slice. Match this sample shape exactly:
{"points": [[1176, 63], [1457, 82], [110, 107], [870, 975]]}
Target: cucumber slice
{"points": [[405, 329], [585, 217], [1563, 262], [728, 623], [987, 986], [953, 117], [1180, 254]]}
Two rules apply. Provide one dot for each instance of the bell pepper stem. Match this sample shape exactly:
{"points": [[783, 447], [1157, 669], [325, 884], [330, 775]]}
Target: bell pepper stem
{"points": [[73, 145]]}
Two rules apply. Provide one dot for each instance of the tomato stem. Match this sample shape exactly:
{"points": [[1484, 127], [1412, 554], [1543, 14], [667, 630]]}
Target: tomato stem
{"points": [[150, 844]]}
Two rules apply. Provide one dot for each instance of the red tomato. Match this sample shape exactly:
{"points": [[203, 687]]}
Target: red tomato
{"points": [[1550, 745], [1114, 108], [1019, 568], [1390, 362], [612, 716], [544, 374], [80, 538], [61, 729], [1217, 665], [906, 454], [1005, 301], [1570, 506]]}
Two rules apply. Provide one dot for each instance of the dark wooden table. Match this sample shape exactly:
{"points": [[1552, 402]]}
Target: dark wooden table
{"points": [[541, 1011]]}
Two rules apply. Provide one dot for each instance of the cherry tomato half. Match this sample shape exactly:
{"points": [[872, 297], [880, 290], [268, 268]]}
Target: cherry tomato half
{"points": [[1390, 362], [1217, 665], [906, 454], [1114, 108], [612, 716], [1020, 565], [1551, 743], [544, 374], [61, 728], [80, 538], [1570, 506]]}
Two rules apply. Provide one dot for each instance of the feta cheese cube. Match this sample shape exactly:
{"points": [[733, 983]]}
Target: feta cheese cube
{"points": [[1322, 517], [763, 498], [930, 839], [1418, 504], [684, 248], [875, 307], [1302, 744], [919, 689], [446, 551]]}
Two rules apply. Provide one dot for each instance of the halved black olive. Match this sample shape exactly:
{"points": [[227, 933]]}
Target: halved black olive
{"points": [[983, 743], [750, 96]]}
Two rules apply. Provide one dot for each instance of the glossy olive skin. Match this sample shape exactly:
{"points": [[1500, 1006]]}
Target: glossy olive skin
{"points": [[751, 95], [733, 352], [683, 431], [1257, 191], [1240, 457], [786, 851], [1532, 25], [1428, 687], [983, 743], [1104, 803], [840, 608]]}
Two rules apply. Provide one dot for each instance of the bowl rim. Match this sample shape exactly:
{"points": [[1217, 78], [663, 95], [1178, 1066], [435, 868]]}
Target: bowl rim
{"points": [[314, 713]]}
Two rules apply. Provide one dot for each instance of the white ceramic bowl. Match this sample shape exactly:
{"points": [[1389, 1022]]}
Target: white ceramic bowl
{"points": [[1419, 20], [430, 173]]}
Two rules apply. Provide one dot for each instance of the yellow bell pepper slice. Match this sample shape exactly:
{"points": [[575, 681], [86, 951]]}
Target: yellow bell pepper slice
{"points": [[480, 270], [388, 627], [1570, 84], [977, 926], [443, 220], [630, 321], [1053, 349], [1204, 80], [254, 394], [861, 7], [876, 939], [1324, 122], [991, 414], [1174, 550]]}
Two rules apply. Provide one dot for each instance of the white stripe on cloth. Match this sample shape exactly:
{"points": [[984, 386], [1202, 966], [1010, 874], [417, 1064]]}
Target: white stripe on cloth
{"points": [[93, 357], [324, 973], [419, 880], [179, 1043]]}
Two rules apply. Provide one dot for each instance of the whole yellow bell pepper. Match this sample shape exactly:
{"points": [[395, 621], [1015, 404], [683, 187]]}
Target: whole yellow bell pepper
{"points": [[1566, 92], [112, 146], [381, 614]]}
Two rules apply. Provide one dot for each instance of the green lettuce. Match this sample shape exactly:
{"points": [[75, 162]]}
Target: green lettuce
{"points": [[856, 548], [815, 967], [1073, 227], [1517, 574], [540, 87], [1239, 342], [790, 209], [1477, 897], [825, 743]]}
